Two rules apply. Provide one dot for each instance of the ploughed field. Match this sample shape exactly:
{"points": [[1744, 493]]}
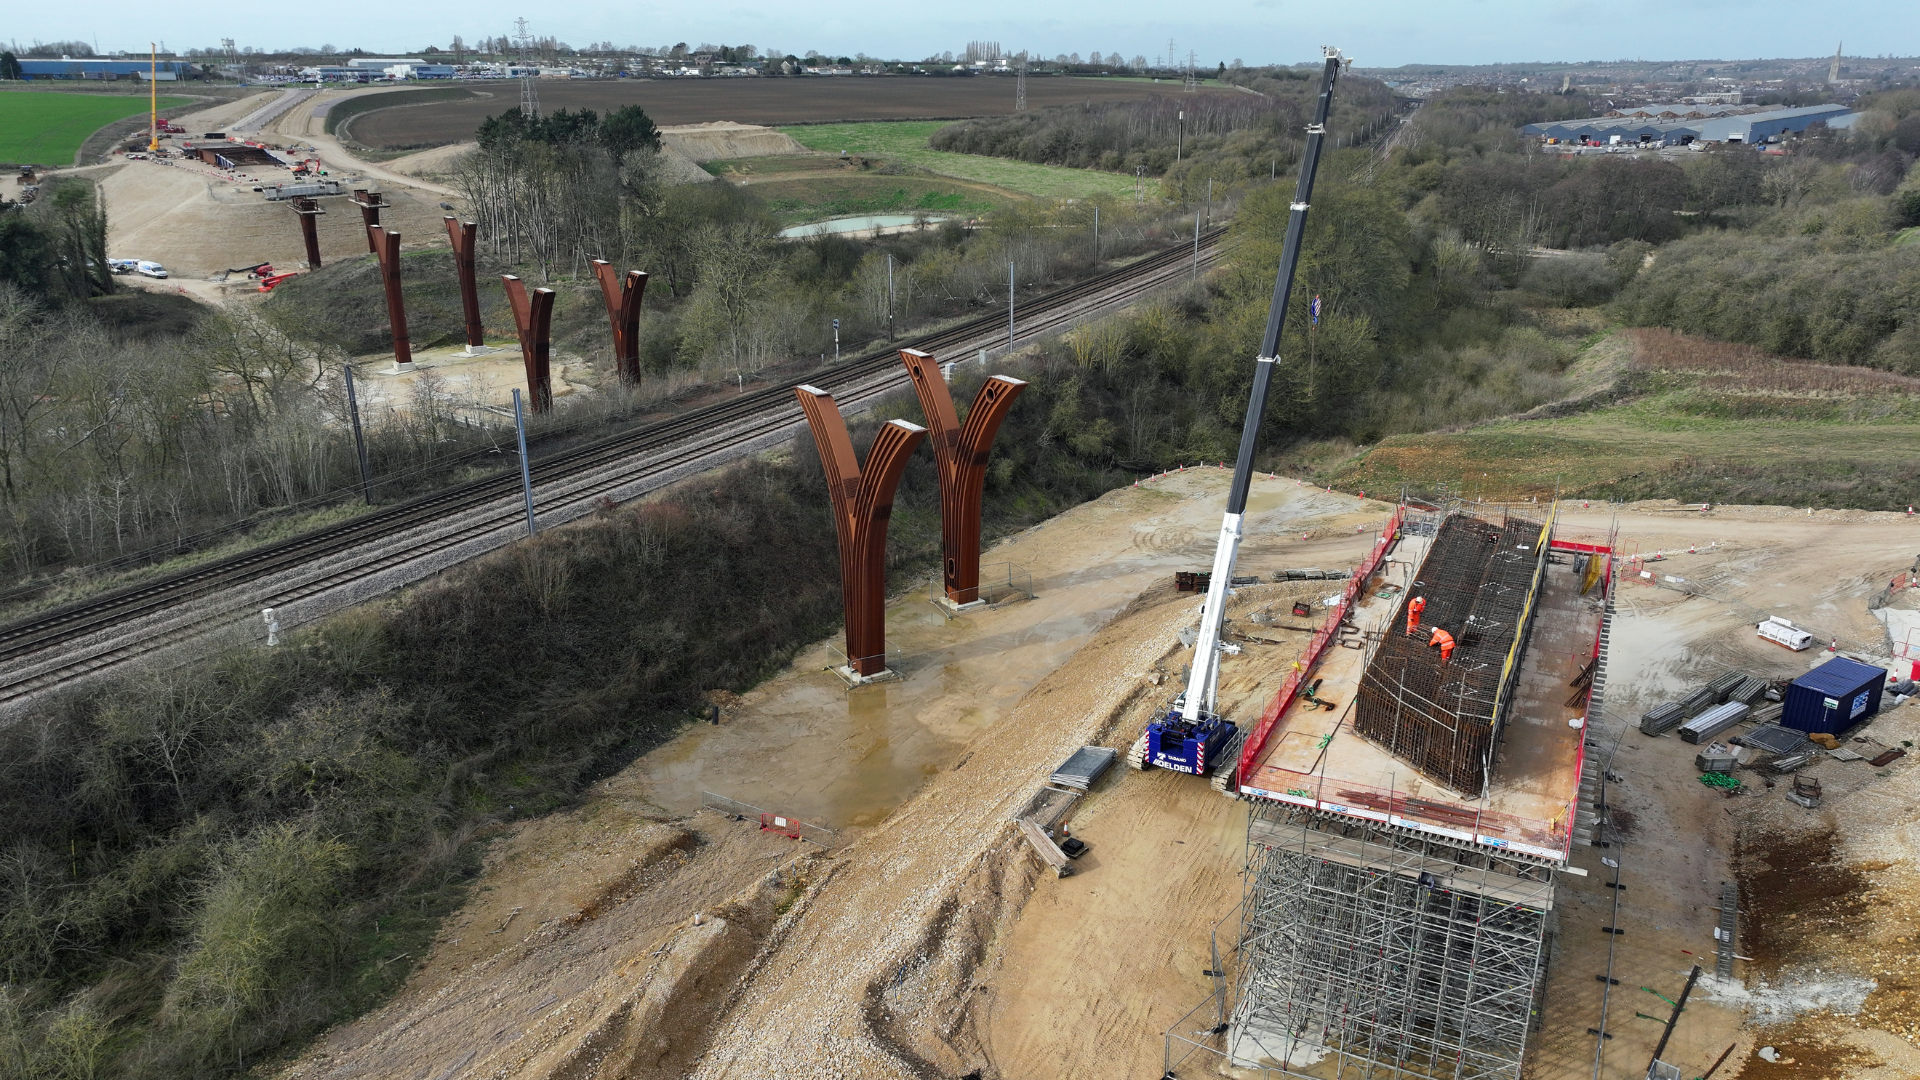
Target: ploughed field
{"points": [[754, 101]]}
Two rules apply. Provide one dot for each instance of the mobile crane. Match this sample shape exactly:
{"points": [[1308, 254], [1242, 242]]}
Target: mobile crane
{"points": [[1188, 735]]}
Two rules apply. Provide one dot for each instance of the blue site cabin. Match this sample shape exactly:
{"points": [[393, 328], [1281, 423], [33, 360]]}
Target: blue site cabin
{"points": [[1833, 697]]}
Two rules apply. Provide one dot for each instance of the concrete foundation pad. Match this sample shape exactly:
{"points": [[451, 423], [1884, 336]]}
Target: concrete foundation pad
{"points": [[952, 608], [853, 678]]}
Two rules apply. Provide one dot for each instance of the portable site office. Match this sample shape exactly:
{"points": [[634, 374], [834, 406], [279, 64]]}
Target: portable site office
{"points": [[1834, 696]]}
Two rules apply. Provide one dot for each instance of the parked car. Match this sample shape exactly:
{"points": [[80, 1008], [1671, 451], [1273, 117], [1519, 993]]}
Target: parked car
{"points": [[121, 266]]}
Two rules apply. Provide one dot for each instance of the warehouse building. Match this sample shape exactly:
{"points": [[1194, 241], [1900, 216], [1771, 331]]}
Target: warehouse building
{"points": [[106, 70], [1653, 130]]}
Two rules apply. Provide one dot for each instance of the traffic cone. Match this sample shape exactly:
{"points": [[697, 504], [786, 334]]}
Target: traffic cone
{"points": [[1691, 550]]}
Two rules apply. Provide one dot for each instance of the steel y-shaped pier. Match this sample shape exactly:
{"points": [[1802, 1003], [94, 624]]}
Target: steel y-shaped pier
{"points": [[533, 315], [961, 454], [623, 311], [862, 504]]}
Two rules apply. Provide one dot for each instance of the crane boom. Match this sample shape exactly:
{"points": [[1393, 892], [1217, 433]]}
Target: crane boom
{"points": [[1203, 683]]}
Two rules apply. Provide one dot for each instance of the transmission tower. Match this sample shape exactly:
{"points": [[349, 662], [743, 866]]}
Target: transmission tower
{"points": [[529, 97], [1020, 86], [1193, 81]]}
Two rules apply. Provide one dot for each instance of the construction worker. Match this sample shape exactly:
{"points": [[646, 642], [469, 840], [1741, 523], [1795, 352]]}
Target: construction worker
{"points": [[1445, 641], [1414, 608]]}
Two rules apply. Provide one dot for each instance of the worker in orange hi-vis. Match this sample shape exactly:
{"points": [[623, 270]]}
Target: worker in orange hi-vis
{"points": [[1414, 608], [1445, 641]]}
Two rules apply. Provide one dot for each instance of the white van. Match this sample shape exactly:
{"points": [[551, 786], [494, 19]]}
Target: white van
{"points": [[1781, 632], [148, 268]]}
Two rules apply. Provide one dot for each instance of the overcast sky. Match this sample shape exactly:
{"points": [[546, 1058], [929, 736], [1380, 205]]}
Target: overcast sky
{"points": [[1377, 33]]}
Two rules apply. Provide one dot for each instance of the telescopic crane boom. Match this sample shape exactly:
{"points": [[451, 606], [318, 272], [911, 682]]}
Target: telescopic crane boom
{"points": [[1189, 734]]}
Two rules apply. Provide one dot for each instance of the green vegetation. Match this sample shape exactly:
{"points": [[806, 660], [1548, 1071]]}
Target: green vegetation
{"points": [[207, 865], [360, 104], [1225, 138], [48, 128], [905, 141]]}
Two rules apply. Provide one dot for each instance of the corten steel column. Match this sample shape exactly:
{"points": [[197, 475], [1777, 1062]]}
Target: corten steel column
{"points": [[370, 206], [862, 503], [961, 453], [623, 310], [461, 233], [534, 317], [386, 246], [309, 212]]}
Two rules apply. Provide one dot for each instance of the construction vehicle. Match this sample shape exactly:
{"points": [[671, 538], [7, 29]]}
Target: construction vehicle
{"points": [[1189, 735]]}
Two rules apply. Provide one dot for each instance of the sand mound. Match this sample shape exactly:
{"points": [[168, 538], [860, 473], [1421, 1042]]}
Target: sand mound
{"points": [[723, 139]]}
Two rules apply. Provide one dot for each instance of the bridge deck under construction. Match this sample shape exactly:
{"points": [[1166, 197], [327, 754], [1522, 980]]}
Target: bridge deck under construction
{"points": [[1316, 758]]}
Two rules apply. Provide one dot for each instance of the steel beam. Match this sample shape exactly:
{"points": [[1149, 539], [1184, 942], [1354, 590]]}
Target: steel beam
{"points": [[370, 205], [862, 504], [961, 454], [533, 315], [386, 246], [461, 233], [623, 311], [309, 212]]}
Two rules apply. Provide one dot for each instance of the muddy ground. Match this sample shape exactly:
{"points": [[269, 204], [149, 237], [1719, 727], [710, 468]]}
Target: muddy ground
{"points": [[642, 936]]}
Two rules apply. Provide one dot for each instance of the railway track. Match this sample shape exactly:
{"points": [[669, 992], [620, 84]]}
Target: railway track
{"points": [[310, 575]]}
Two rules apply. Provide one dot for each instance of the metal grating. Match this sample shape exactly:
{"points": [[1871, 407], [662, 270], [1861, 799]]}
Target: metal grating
{"points": [[1444, 718]]}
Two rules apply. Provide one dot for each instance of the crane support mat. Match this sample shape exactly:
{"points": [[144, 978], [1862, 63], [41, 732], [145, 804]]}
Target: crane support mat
{"points": [[1084, 767], [1044, 847]]}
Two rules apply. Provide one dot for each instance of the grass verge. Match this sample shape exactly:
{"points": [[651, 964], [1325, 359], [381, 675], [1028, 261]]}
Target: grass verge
{"points": [[48, 128], [906, 141]]}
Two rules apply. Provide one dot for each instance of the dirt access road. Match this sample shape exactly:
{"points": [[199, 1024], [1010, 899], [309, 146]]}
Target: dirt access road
{"points": [[640, 938]]}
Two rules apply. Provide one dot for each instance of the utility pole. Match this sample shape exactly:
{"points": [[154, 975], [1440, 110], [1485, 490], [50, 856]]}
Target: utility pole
{"points": [[526, 474], [836, 341], [1096, 232], [1180, 147], [359, 440], [1209, 202], [1674, 1018], [889, 296], [1009, 307]]}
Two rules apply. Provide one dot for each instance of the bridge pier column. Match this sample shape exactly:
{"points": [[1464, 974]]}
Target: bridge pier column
{"points": [[961, 454], [533, 315], [622, 297]]}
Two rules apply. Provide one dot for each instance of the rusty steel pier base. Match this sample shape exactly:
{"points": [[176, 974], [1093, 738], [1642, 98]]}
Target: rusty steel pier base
{"points": [[309, 212], [623, 311], [961, 454], [462, 234], [386, 247], [862, 503], [370, 204], [533, 315]]}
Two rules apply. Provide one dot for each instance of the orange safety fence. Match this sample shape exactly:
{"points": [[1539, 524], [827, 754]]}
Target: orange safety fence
{"points": [[1257, 739]]}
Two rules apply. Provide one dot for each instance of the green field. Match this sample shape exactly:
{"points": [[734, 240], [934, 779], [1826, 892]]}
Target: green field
{"points": [[47, 129], [906, 141]]}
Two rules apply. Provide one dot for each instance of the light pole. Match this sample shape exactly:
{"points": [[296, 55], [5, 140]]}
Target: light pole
{"points": [[1009, 307], [836, 341], [889, 296]]}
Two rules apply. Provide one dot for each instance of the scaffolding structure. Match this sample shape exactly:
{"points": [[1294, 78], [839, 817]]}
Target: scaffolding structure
{"points": [[1392, 954], [1443, 717]]}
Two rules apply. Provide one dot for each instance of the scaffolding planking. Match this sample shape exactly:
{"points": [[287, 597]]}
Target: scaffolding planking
{"points": [[1377, 952], [1443, 717]]}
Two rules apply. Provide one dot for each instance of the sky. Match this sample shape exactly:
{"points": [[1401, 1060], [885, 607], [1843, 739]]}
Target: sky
{"points": [[1376, 33]]}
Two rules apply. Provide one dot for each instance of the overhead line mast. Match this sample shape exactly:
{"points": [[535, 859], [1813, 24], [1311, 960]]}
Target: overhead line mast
{"points": [[1204, 681]]}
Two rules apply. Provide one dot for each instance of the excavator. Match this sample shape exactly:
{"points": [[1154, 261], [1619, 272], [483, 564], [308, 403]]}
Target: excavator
{"points": [[1189, 735]]}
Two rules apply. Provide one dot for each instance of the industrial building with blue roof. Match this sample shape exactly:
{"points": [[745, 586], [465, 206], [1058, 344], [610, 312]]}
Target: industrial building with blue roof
{"points": [[1749, 128]]}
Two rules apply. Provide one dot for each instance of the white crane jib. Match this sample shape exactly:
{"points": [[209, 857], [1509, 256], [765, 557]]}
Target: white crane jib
{"points": [[1204, 681]]}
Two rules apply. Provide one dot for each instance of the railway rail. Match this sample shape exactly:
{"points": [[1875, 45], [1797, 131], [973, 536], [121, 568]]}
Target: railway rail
{"points": [[306, 576]]}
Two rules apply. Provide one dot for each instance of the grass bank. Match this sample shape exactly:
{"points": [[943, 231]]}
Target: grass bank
{"points": [[906, 141], [1703, 422]]}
